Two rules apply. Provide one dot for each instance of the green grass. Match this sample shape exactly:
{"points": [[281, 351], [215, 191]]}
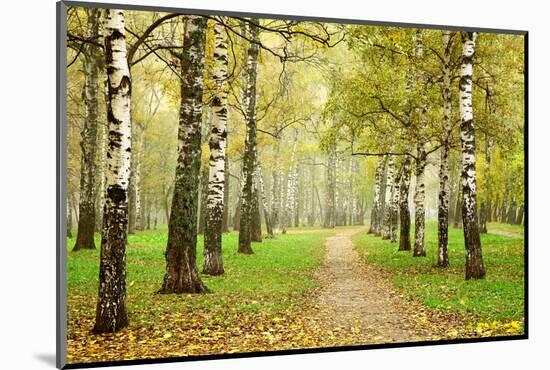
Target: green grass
{"points": [[499, 297], [271, 280]]}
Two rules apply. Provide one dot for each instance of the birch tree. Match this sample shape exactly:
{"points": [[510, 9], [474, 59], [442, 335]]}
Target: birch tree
{"points": [[88, 143], [475, 269], [265, 206], [375, 212], [444, 188], [395, 205], [213, 263], [421, 160], [404, 212], [249, 159], [329, 220], [111, 313], [386, 229], [182, 274]]}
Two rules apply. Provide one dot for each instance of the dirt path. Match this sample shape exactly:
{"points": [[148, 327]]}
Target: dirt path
{"points": [[358, 303]]}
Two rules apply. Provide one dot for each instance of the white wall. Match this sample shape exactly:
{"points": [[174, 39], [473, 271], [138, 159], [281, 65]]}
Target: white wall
{"points": [[27, 227]]}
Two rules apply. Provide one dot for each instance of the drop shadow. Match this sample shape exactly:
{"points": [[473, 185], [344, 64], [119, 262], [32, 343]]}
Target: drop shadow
{"points": [[47, 358]]}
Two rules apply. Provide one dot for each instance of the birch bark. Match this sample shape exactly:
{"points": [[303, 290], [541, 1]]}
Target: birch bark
{"points": [[404, 212], [213, 263], [375, 212], [111, 313], [475, 269], [444, 188], [421, 159], [386, 229]]}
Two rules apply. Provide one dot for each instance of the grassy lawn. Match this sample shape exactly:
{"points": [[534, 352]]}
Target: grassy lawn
{"points": [[499, 297], [257, 291], [269, 281]]}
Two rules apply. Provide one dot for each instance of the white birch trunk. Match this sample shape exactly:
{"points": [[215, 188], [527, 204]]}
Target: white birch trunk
{"points": [[217, 163], [386, 228], [111, 304], [444, 187], [376, 211], [421, 159], [474, 259]]}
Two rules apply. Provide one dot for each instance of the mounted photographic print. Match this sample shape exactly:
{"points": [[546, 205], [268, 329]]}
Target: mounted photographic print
{"points": [[236, 184]]}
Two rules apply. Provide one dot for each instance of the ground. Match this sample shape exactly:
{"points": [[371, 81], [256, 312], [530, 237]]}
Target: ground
{"points": [[309, 288]]}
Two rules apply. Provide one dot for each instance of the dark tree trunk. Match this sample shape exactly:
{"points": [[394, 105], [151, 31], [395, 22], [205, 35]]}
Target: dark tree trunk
{"points": [[69, 220], [519, 218], [511, 219], [182, 275], [88, 143], [249, 158]]}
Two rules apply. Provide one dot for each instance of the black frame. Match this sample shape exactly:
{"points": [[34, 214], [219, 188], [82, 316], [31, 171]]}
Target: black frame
{"points": [[61, 162]]}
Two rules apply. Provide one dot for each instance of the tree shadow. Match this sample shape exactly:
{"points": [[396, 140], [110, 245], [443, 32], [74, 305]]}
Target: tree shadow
{"points": [[47, 358]]}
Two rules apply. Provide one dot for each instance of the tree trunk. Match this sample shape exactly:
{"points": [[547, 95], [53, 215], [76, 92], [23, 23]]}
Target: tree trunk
{"points": [[444, 188], [329, 221], [111, 313], [395, 206], [102, 148], [404, 212], [256, 221], [458, 214], [276, 191], [69, 220], [474, 259], [519, 218], [375, 212], [419, 200], [88, 143], [386, 229], [511, 219], [485, 205], [226, 192], [213, 262], [182, 275], [131, 204], [137, 187], [421, 159], [290, 201], [249, 159], [265, 207], [203, 198]]}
